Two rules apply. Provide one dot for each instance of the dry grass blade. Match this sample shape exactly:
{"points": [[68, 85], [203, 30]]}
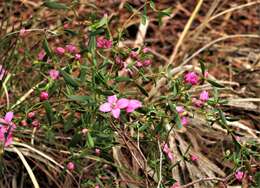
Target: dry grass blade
{"points": [[28, 168]]}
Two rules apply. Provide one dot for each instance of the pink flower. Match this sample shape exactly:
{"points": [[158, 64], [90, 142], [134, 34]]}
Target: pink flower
{"points": [[44, 96], [77, 56], [60, 51], [204, 96], [71, 166], [114, 105], [170, 156], [166, 148], [54, 74], [133, 105], [133, 54], [36, 123], [41, 55], [71, 48], [84, 131], [194, 158], [138, 63], [23, 123], [104, 43], [197, 103], [206, 74], [6, 129], [31, 115], [176, 185], [180, 109], [167, 151], [191, 78], [2, 72], [147, 62], [97, 151], [239, 175], [97, 186], [23, 32], [184, 121], [146, 50]]}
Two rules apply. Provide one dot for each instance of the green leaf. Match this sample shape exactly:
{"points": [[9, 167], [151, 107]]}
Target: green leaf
{"points": [[55, 5], [46, 48], [80, 98], [152, 5], [123, 79], [98, 24], [90, 140], [178, 121], [71, 32], [222, 117], [142, 90], [213, 83], [143, 19], [128, 7], [92, 43], [76, 139], [202, 67], [49, 111], [68, 79], [257, 179]]}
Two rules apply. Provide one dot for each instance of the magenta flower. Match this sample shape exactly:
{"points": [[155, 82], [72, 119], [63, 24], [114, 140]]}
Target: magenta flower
{"points": [[71, 48], [184, 121], [104, 43], [133, 105], [23, 32], [133, 54], [167, 151], [139, 64], [204, 96], [44, 96], [60, 51], [197, 103], [6, 129], [239, 175], [146, 50], [77, 56], [176, 185], [41, 55], [180, 109], [191, 78], [36, 123], [194, 157], [147, 62], [114, 105], [54, 74], [97, 151], [31, 115], [71, 166]]}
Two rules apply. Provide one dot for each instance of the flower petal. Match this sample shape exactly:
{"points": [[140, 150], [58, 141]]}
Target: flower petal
{"points": [[112, 99], [133, 104], [106, 107], [122, 103], [9, 116], [116, 112]]}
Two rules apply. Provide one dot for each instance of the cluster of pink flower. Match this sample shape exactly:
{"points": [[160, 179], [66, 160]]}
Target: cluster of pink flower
{"points": [[167, 151], [203, 98], [181, 112], [141, 63], [6, 129], [115, 105], [193, 79], [54, 74], [31, 119], [70, 48], [104, 43]]}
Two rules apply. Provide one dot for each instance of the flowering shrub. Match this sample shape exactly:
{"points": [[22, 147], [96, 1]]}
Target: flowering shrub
{"points": [[84, 106]]}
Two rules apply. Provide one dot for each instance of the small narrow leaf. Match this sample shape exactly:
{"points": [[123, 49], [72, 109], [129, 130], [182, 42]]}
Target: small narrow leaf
{"points": [[46, 48], [213, 83], [202, 67], [55, 5], [49, 111], [90, 140], [68, 79], [142, 90]]}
